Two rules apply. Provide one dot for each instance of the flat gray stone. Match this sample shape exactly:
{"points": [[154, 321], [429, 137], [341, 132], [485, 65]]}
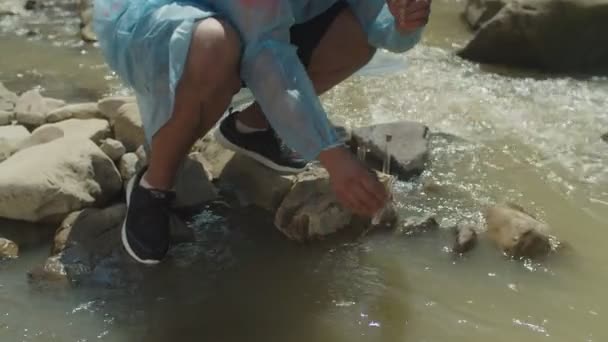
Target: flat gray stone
{"points": [[408, 149]]}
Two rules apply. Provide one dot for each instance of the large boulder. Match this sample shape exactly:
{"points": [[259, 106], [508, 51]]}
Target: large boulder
{"points": [[517, 233], [408, 147], [31, 108], [11, 137], [48, 181], [8, 249], [546, 34], [87, 110], [310, 210], [93, 129]]}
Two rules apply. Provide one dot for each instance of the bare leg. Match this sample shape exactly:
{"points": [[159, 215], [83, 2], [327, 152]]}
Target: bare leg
{"points": [[342, 51], [204, 92]]}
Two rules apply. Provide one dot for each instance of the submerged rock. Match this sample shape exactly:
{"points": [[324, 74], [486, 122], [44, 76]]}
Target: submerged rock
{"points": [[11, 137], [51, 180], [417, 225], [93, 129], [517, 233], [547, 34], [466, 239], [87, 248], [408, 148], [8, 249], [75, 111], [113, 148]]}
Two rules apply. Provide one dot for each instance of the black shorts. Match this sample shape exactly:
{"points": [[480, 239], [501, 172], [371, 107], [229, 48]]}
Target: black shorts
{"points": [[307, 36]]}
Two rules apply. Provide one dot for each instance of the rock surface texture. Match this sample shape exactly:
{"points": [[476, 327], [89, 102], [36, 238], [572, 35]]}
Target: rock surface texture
{"points": [[8, 249], [517, 233], [11, 138], [51, 180], [559, 36]]}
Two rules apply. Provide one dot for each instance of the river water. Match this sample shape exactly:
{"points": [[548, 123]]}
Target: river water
{"points": [[522, 137]]}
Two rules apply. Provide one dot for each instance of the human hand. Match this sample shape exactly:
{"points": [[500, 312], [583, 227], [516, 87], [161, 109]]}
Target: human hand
{"points": [[354, 185], [409, 14]]}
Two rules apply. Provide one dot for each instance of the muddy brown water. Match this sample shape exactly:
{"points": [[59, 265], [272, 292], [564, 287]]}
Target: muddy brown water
{"points": [[522, 137]]}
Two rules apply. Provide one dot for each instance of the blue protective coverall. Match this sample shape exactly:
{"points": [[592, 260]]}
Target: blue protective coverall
{"points": [[146, 42]]}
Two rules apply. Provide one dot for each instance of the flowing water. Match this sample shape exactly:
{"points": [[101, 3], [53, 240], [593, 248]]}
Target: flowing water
{"points": [[507, 135]]}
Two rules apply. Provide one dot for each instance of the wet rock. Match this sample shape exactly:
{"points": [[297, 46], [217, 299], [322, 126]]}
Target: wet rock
{"points": [[31, 108], [417, 225], [46, 182], [408, 148], [128, 166], [128, 127], [6, 117], [75, 111], [466, 239], [87, 248], [517, 233], [478, 12], [310, 210], [193, 183], [86, 21], [93, 129], [558, 36], [8, 249], [113, 148], [605, 137], [253, 182], [109, 106], [41, 135], [8, 99], [52, 272], [10, 139]]}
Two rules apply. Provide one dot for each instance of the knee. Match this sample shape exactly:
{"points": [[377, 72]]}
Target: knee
{"points": [[213, 61]]}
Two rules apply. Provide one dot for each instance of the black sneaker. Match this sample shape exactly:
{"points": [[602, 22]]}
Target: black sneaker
{"points": [[145, 232], [264, 146]]}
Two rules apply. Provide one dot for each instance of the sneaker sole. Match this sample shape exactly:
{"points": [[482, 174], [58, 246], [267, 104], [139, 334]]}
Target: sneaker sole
{"points": [[123, 230], [257, 157]]}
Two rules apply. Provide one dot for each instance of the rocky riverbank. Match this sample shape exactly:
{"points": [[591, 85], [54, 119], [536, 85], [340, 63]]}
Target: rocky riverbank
{"points": [[66, 165]]}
